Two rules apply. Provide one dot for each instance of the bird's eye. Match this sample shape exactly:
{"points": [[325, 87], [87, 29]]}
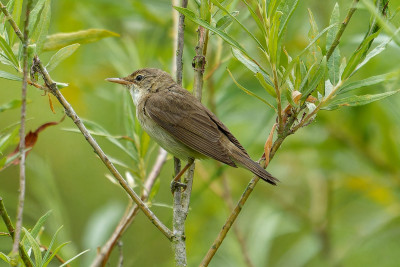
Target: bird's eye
{"points": [[139, 78]]}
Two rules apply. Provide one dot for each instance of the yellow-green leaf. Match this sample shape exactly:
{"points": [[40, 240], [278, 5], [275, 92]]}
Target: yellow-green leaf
{"points": [[355, 100], [60, 40]]}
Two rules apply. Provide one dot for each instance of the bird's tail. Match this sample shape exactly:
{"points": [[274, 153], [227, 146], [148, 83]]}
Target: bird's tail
{"points": [[246, 162]]}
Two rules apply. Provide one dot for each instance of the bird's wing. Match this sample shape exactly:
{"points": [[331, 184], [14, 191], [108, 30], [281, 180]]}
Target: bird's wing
{"points": [[190, 123]]}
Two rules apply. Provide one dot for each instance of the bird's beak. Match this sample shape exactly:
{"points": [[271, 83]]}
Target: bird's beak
{"points": [[118, 80]]}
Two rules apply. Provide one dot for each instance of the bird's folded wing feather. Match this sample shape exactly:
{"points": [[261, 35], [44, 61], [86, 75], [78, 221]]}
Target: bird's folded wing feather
{"points": [[191, 124]]}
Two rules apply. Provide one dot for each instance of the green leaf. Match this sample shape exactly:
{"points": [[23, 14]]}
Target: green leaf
{"points": [[225, 21], [269, 88], [256, 18], [250, 64], [376, 51], [334, 60], [98, 130], [8, 139], [357, 56], [61, 55], [318, 76], [367, 82], [192, 16], [217, 3], [39, 224], [16, 15], [46, 257], [70, 260], [154, 190], [287, 18], [4, 257], [249, 92], [296, 59], [54, 253], [9, 76], [273, 40], [36, 229], [9, 53], [42, 27], [60, 40], [355, 100], [10, 105], [33, 17], [35, 247]]}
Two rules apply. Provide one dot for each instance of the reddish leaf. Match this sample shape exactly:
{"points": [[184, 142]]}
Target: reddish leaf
{"points": [[31, 139]]}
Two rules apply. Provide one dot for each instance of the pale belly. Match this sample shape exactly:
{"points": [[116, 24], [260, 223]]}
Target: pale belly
{"points": [[166, 140]]}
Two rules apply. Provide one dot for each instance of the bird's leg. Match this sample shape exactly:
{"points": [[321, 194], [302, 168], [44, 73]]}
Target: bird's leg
{"points": [[175, 184]]}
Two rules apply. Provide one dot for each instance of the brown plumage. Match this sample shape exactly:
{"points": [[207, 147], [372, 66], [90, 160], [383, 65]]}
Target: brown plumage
{"points": [[181, 124]]}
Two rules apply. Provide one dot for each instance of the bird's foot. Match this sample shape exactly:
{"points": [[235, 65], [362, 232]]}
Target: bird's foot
{"points": [[175, 185]]}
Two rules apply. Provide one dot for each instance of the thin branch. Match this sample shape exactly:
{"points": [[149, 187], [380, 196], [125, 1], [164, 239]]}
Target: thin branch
{"points": [[180, 43], [227, 195], [342, 28], [21, 196], [11, 230], [71, 113], [12, 21], [179, 216], [105, 252]]}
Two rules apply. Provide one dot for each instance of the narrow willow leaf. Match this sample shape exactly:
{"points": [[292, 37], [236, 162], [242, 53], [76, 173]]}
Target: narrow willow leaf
{"points": [[296, 59], [10, 105], [269, 88], [367, 82], [255, 17], [358, 56], [249, 92], [8, 53], [355, 100], [225, 21], [60, 40], [304, 81], [70, 260], [376, 51], [61, 54], [54, 253], [46, 258], [192, 16], [273, 40], [217, 3], [318, 76], [35, 247], [33, 17], [287, 18], [9, 76], [334, 60], [96, 129], [16, 15], [35, 231], [5, 258], [250, 65], [42, 28], [272, 7], [9, 139], [382, 21]]}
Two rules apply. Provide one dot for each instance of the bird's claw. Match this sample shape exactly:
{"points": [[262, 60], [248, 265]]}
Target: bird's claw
{"points": [[176, 185]]}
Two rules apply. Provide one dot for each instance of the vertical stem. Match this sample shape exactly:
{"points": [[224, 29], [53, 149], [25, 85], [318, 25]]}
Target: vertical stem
{"points": [[21, 197], [179, 215]]}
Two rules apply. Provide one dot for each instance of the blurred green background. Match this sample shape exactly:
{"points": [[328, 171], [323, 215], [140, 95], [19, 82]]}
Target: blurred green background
{"points": [[338, 202]]}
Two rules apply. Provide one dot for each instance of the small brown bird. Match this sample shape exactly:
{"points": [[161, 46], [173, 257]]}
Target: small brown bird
{"points": [[182, 125]]}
